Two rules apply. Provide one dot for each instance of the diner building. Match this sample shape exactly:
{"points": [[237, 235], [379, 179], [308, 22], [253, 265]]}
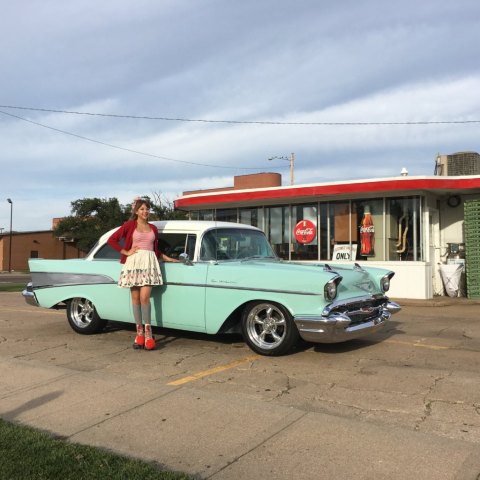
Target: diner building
{"points": [[412, 225]]}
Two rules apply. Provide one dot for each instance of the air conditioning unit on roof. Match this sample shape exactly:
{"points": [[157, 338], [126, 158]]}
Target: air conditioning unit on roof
{"points": [[456, 164]]}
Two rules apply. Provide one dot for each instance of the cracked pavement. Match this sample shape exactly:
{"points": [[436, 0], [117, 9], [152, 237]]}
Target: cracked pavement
{"points": [[402, 403]]}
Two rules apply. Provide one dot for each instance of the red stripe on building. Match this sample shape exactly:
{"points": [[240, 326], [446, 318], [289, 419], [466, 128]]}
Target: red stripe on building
{"points": [[397, 184]]}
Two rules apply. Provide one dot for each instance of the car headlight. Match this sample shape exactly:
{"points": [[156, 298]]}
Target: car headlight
{"points": [[385, 281], [331, 287]]}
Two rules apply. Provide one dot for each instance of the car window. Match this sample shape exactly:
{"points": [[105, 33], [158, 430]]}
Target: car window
{"points": [[107, 253], [234, 243], [173, 244], [191, 242]]}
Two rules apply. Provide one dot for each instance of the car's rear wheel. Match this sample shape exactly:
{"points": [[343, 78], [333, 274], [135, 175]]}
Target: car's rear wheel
{"points": [[268, 328], [83, 317]]}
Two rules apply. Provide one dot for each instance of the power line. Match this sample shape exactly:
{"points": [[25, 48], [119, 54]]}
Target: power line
{"points": [[247, 122], [81, 137]]}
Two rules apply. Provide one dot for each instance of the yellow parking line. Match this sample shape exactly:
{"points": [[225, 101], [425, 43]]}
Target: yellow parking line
{"points": [[211, 371], [422, 345]]}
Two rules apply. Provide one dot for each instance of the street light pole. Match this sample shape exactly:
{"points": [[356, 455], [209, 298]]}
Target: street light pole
{"points": [[292, 165], [10, 249]]}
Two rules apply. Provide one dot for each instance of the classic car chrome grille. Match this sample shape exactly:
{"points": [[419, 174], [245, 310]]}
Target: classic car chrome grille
{"points": [[360, 312]]}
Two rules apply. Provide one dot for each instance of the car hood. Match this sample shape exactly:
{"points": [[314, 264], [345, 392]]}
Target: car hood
{"points": [[297, 277]]}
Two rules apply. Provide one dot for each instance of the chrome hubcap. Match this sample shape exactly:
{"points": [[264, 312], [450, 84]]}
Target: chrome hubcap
{"points": [[81, 311], [266, 326]]}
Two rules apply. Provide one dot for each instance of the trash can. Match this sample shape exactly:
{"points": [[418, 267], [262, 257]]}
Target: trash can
{"points": [[451, 274]]}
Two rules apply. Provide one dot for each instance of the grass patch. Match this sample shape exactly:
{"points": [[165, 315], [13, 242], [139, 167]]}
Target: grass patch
{"points": [[12, 287], [27, 453]]}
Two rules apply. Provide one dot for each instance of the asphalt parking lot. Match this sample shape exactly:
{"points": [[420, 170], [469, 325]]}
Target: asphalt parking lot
{"points": [[404, 403]]}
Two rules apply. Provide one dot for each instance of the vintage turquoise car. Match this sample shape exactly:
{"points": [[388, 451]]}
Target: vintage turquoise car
{"points": [[228, 280]]}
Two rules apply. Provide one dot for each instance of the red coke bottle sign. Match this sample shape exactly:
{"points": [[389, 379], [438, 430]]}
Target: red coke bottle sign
{"points": [[305, 231], [367, 235]]}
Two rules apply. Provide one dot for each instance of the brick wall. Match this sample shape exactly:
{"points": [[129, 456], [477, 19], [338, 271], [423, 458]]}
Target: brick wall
{"points": [[43, 244], [241, 182]]}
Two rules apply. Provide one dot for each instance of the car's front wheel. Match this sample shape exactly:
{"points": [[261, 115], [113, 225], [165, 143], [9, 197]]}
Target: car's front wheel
{"points": [[268, 328], [83, 317]]}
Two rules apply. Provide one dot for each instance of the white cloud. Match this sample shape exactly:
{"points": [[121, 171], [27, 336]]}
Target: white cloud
{"points": [[272, 60]]}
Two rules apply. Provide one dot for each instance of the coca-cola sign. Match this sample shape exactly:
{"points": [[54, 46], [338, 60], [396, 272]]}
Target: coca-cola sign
{"points": [[305, 231], [367, 234]]}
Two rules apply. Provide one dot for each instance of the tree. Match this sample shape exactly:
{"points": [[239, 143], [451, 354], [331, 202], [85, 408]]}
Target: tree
{"points": [[92, 217], [163, 209]]}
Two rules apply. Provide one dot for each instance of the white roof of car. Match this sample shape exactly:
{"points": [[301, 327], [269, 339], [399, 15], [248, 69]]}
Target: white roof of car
{"points": [[186, 226], [196, 225]]}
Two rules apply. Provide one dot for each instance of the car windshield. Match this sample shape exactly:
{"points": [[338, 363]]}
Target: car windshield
{"points": [[235, 243]]}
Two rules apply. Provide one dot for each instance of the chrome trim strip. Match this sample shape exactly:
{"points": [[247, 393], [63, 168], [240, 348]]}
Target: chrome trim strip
{"points": [[43, 287], [58, 279], [249, 289]]}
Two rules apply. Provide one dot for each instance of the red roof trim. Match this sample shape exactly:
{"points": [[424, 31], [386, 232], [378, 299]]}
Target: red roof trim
{"points": [[423, 183]]}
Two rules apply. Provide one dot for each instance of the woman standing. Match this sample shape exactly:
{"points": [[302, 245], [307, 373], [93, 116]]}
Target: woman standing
{"points": [[141, 269]]}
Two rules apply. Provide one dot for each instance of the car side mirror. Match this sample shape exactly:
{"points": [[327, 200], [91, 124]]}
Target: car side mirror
{"points": [[185, 259]]}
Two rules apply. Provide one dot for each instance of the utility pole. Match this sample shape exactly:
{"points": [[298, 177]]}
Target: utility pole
{"points": [[10, 249], [292, 167]]}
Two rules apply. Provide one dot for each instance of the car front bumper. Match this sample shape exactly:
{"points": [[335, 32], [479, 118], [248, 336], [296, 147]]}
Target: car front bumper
{"points": [[345, 321]]}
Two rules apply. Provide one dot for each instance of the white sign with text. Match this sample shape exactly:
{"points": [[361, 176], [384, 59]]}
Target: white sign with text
{"points": [[344, 252]]}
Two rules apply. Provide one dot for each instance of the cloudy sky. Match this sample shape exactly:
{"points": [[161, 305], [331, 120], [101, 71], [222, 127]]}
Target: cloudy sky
{"points": [[271, 77]]}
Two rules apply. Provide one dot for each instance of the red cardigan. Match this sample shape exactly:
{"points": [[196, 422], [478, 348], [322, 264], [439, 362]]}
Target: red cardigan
{"points": [[126, 232]]}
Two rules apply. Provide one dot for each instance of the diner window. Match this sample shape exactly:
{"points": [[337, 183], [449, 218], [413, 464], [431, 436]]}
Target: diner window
{"points": [[404, 229], [226, 215], [342, 229], [205, 215], [251, 216], [304, 232], [323, 232], [278, 229], [33, 253]]}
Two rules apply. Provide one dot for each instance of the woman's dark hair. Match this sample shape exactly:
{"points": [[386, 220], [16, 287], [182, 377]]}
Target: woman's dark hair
{"points": [[137, 203]]}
